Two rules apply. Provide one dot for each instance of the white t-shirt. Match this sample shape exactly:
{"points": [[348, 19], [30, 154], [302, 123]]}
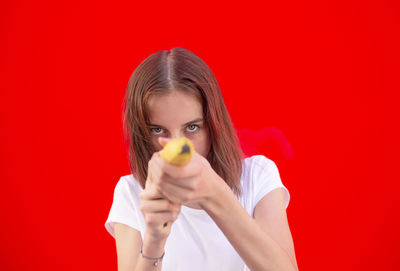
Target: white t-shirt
{"points": [[195, 241]]}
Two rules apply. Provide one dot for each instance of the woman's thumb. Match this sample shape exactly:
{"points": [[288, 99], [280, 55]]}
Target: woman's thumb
{"points": [[163, 141]]}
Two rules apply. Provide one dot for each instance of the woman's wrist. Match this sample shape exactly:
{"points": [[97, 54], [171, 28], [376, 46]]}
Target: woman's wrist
{"points": [[214, 199], [153, 247]]}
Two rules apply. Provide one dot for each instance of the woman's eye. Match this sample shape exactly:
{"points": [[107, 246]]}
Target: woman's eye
{"points": [[157, 130], [192, 127]]}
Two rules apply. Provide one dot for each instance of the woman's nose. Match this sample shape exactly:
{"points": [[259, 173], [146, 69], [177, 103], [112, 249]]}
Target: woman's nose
{"points": [[175, 135]]}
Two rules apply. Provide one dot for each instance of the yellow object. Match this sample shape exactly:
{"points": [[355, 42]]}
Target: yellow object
{"points": [[178, 151]]}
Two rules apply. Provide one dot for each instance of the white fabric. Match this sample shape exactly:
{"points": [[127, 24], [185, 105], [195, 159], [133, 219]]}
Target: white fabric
{"points": [[195, 241]]}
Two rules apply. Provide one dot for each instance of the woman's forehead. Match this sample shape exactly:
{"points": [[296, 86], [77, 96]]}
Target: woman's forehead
{"points": [[174, 106]]}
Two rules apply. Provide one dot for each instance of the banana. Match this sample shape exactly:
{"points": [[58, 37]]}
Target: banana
{"points": [[178, 151]]}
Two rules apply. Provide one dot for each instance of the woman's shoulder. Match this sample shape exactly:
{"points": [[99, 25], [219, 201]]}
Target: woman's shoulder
{"points": [[128, 184], [257, 162], [257, 171], [260, 175]]}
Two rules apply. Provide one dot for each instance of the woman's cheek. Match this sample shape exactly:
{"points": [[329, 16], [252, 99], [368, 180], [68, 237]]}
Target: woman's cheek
{"points": [[201, 144], [156, 145]]}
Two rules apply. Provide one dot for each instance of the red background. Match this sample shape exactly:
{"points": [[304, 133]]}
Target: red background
{"points": [[325, 74]]}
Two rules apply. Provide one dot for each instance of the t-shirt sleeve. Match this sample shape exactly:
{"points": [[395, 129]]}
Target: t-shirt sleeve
{"points": [[124, 208], [266, 178]]}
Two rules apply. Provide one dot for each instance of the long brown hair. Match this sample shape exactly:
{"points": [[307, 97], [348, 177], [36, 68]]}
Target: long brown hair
{"points": [[179, 69]]}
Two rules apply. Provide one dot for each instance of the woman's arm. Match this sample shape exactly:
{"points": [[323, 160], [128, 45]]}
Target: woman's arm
{"points": [[128, 244], [159, 215], [270, 214], [261, 242], [264, 243]]}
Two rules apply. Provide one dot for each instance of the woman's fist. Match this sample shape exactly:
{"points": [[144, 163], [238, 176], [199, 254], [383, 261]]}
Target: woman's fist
{"points": [[159, 213]]}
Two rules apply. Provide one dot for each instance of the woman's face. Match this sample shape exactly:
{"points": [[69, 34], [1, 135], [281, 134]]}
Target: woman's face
{"points": [[178, 114]]}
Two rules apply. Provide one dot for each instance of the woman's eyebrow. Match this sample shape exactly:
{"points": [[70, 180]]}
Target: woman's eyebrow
{"points": [[193, 121], [190, 122]]}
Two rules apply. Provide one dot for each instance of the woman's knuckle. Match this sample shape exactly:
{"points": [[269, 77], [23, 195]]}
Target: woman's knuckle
{"points": [[194, 186], [158, 186], [161, 166], [167, 205], [150, 219], [181, 200], [164, 175], [142, 195], [181, 173], [189, 196]]}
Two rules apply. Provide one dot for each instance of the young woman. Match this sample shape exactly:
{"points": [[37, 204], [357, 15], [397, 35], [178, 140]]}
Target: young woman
{"points": [[219, 212]]}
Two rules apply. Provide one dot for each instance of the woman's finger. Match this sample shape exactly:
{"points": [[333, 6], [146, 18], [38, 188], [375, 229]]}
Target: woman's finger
{"points": [[165, 169], [150, 193], [163, 141], [158, 206], [177, 194]]}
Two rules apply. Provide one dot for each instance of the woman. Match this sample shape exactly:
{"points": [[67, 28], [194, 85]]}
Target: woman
{"points": [[223, 211]]}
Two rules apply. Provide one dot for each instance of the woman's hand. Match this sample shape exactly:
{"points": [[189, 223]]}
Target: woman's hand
{"points": [[159, 213], [192, 183]]}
